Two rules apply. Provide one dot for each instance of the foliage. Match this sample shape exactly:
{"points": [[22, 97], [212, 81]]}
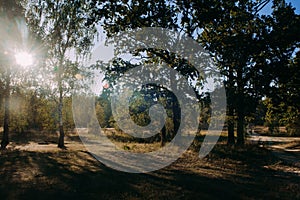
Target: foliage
{"points": [[103, 111], [15, 37], [61, 26], [249, 47], [258, 56]]}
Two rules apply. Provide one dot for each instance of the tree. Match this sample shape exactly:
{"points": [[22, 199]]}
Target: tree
{"points": [[61, 26], [236, 41], [283, 102], [11, 15], [248, 47], [283, 58], [188, 17], [142, 98], [103, 109]]}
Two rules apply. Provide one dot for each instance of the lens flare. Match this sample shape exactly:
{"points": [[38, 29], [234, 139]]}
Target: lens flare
{"points": [[24, 59]]}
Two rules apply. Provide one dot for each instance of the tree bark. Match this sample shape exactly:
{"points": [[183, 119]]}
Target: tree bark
{"points": [[230, 109], [240, 110], [240, 128], [176, 118], [230, 125], [61, 139], [175, 107], [5, 138], [163, 136]]}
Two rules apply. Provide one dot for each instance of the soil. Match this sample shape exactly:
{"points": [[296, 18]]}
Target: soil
{"points": [[33, 167]]}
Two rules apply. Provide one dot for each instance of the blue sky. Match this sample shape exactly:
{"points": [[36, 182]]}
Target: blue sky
{"points": [[295, 3]]}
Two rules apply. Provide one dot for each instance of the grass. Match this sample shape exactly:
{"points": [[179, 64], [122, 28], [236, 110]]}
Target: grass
{"points": [[282, 132], [34, 169]]}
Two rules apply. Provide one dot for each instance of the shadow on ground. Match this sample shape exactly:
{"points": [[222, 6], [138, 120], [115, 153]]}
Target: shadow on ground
{"points": [[226, 173]]}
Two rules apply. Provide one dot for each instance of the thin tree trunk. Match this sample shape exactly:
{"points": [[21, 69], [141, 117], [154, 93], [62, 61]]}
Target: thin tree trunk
{"points": [[163, 136], [175, 108], [230, 125], [230, 109], [240, 110], [176, 118], [61, 141], [5, 138], [240, 128]]}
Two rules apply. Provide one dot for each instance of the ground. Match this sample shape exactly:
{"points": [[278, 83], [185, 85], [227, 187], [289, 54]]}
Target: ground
{"points": [[34, 168]]}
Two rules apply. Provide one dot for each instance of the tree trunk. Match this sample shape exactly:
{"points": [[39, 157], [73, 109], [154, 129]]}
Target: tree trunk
{"points": [[176, 118], [230, 125], [163, 136], [5, 138], [240, 128], [175, 107], [240, 110], [230, 108], [61, 141]]}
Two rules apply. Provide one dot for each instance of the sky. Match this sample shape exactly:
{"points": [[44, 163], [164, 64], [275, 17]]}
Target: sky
{"points": [[266, 10], [105, 53], [295, 3]]}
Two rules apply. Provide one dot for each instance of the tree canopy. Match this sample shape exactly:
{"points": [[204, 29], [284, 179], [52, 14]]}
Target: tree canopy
{"points": [[257, 55], [251, 49]]}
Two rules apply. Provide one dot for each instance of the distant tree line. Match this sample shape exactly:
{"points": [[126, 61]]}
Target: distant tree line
{"points": [[257, 55]]}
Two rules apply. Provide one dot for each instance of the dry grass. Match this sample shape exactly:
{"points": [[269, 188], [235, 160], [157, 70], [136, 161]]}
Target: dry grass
{"points": [[34, 168], [263, 130]]}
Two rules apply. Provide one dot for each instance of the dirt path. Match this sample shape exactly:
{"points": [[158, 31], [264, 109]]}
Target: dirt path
{"points": [[34, 168], [285, 148]]}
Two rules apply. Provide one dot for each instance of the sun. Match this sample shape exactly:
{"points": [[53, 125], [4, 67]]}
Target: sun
{"points": [[24, 59]]}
